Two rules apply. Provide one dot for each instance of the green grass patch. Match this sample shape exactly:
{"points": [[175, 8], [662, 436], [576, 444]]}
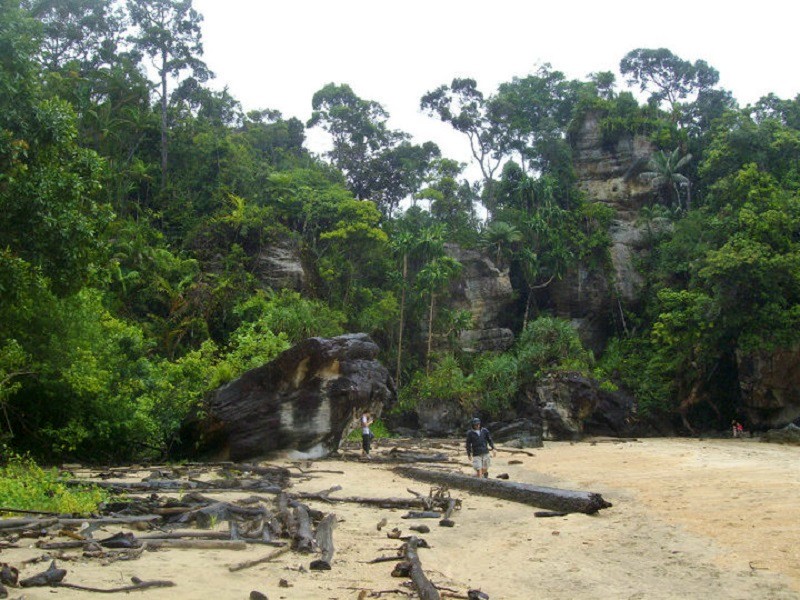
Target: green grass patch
{"points": [[24, 485]]}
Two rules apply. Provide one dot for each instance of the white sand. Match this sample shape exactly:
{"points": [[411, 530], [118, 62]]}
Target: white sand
{"points": [[691, 519]]}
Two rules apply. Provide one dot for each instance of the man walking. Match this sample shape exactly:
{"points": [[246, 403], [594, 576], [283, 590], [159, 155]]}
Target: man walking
{"points": [[478, 443]]}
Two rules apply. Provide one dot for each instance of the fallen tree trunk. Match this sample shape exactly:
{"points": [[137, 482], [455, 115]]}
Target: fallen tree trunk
{"points": [[425, 589], [542, 497], [195, 544], [15, 525]]}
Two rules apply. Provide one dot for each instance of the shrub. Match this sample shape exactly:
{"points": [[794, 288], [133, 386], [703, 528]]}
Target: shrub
{"points": [[495, 382], [549, 344], [24, 485], [445, 382]]}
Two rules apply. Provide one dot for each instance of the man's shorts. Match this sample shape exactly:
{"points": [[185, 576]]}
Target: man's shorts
{"points": [[481, 462]]}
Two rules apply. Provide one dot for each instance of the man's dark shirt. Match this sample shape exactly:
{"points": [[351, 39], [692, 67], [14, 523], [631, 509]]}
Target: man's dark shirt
{"points": [[479, 441]]}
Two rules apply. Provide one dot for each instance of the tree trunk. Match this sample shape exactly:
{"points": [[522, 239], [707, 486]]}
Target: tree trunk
{"points": [[542, 497], [425, 589], [402, 314], [430, 336], [163, 119], [527, 308]]}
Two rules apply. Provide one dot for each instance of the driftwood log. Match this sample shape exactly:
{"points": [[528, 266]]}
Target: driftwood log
{"points": [[303, 538], [324, 539], [542, 497], [446, 520], [49, 577], [425, 589]]}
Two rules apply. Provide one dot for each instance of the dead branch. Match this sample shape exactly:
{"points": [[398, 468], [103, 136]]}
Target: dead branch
{"points": [[198, 544], [264, 559], [138, 585]]}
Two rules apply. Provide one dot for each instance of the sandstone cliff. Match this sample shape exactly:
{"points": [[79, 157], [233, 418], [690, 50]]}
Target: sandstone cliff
{"points": [[485, 291], [595, 300]]}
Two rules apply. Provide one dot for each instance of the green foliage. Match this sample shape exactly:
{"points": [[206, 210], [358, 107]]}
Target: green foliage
{"points": [[24, 485], [666, 76], [549, 344], [445, 382], [495, 381], [380, 164], [288, 313]]}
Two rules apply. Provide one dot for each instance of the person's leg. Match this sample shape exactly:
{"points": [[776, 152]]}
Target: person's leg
{"points": [[477, 464], [487, 461], [365, 444]]}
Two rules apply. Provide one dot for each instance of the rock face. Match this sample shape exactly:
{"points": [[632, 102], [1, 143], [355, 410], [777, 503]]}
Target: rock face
{"points": [[520, 433], [566, 400], [280, 267], [486, 292], [789, 435], [770, 387], [442, 418], [607, 174], [304, 401]]}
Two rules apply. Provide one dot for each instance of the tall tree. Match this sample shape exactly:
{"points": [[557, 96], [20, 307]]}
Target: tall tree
{"points": [[82, 32], [667, 77], [380, 163], [463, 105], [532, 112], [169, 33]]}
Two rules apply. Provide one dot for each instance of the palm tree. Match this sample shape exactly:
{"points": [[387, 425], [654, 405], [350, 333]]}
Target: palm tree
{"points": [[432, 278], [499, 236], [664, 174], [403, 243]]}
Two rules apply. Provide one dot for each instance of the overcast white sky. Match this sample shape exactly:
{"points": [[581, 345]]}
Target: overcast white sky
{"points": [[276, 54]]}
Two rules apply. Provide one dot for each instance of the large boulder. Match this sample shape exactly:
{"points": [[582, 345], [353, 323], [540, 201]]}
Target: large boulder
{"points": [[520, 433], [565, 401], [770, 386], [302, 403]]}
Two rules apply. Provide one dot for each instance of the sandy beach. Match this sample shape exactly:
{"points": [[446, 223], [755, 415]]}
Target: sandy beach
{"points": [[691, 518]]}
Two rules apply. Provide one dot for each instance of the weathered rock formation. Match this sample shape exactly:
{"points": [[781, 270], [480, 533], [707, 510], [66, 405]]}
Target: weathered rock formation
{"points": [[443, 418], [485, 291], [770, 387], [607, 174], [280, 266], [519, 433], [566, 400], [304, 401], [789, 435]]}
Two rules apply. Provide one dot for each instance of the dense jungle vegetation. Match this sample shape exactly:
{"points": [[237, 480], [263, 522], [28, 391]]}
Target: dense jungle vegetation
{"points": [[135, 202]]}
